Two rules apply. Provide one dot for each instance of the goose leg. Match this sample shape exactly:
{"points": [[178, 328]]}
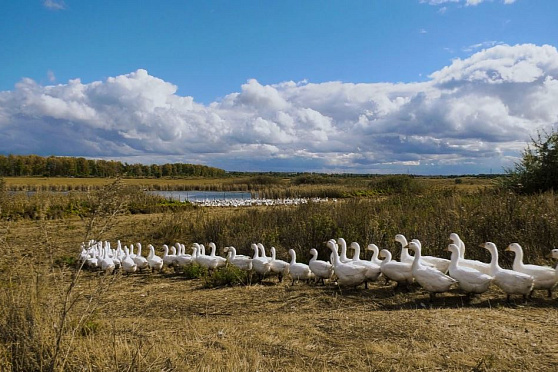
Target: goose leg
{"points": [[432, 296], [549, 293]]}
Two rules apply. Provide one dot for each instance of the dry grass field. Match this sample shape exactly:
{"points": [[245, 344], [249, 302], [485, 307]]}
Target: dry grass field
{"points": [[55, 320]]}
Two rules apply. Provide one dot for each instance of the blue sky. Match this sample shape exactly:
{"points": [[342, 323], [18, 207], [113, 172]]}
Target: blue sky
{"points": [[377, 86]]}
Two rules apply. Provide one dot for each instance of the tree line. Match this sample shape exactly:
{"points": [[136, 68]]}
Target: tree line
{"points": [[56, 166]]}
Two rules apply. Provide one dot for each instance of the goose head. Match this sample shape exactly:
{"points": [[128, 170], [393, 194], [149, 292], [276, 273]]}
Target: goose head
{"points": [[491, 247], [553, 253], [384, 253], [454, 238], [514, 247], [372, 247], [356, 247], [453, 248], [401, 239], [332, 244]]}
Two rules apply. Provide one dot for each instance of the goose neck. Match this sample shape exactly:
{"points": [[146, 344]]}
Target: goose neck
{"points": [[293, 256], [518, 259]]}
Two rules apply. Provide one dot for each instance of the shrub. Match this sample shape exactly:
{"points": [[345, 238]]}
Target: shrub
{"points": [[537, 171], [313, 179], [194, 271], [227, 276], [397, 184]]}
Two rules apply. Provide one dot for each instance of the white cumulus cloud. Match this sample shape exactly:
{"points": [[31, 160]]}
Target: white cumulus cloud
{"points": [[473, 115]]}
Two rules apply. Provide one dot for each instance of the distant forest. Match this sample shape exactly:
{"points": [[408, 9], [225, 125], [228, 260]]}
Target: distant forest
{"points": [[55, 166]]}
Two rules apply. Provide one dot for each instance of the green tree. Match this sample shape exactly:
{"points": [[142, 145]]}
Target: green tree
{"points": [[537, 171]]}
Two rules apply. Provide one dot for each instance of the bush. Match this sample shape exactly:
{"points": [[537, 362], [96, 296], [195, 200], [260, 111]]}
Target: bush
{"points": [[538, 169], [227, 276], [313, 179], [398, 184], [194, 271]]}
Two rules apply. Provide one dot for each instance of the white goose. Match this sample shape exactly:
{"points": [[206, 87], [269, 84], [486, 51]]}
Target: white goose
{"points": [[347, 273], [202, 259], [438, 263], [277, 266], [322, 269], [405, 255], [373, 271], [182, 259], [399, 272], [261, 266], [429, 278], [168, 259], [343, 244], [92, 262], [242, 262], [128, 264], [140, 261], [221, 261], [84, 255], [375, 253], [155, 262], [471, 281], [473, 264], [545, 276], [262, 252], [297, 270], [106, 263], [117, 255], [510, 281]]}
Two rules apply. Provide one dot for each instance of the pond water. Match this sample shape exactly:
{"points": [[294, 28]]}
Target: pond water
{"points": [[198, 196]]}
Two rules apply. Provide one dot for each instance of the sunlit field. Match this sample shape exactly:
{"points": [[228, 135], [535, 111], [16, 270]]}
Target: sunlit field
{"points": [[55, 316]]}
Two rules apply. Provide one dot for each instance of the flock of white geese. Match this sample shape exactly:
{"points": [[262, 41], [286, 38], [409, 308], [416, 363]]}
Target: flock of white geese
{"points": [[434, 274], [256, 202]]}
